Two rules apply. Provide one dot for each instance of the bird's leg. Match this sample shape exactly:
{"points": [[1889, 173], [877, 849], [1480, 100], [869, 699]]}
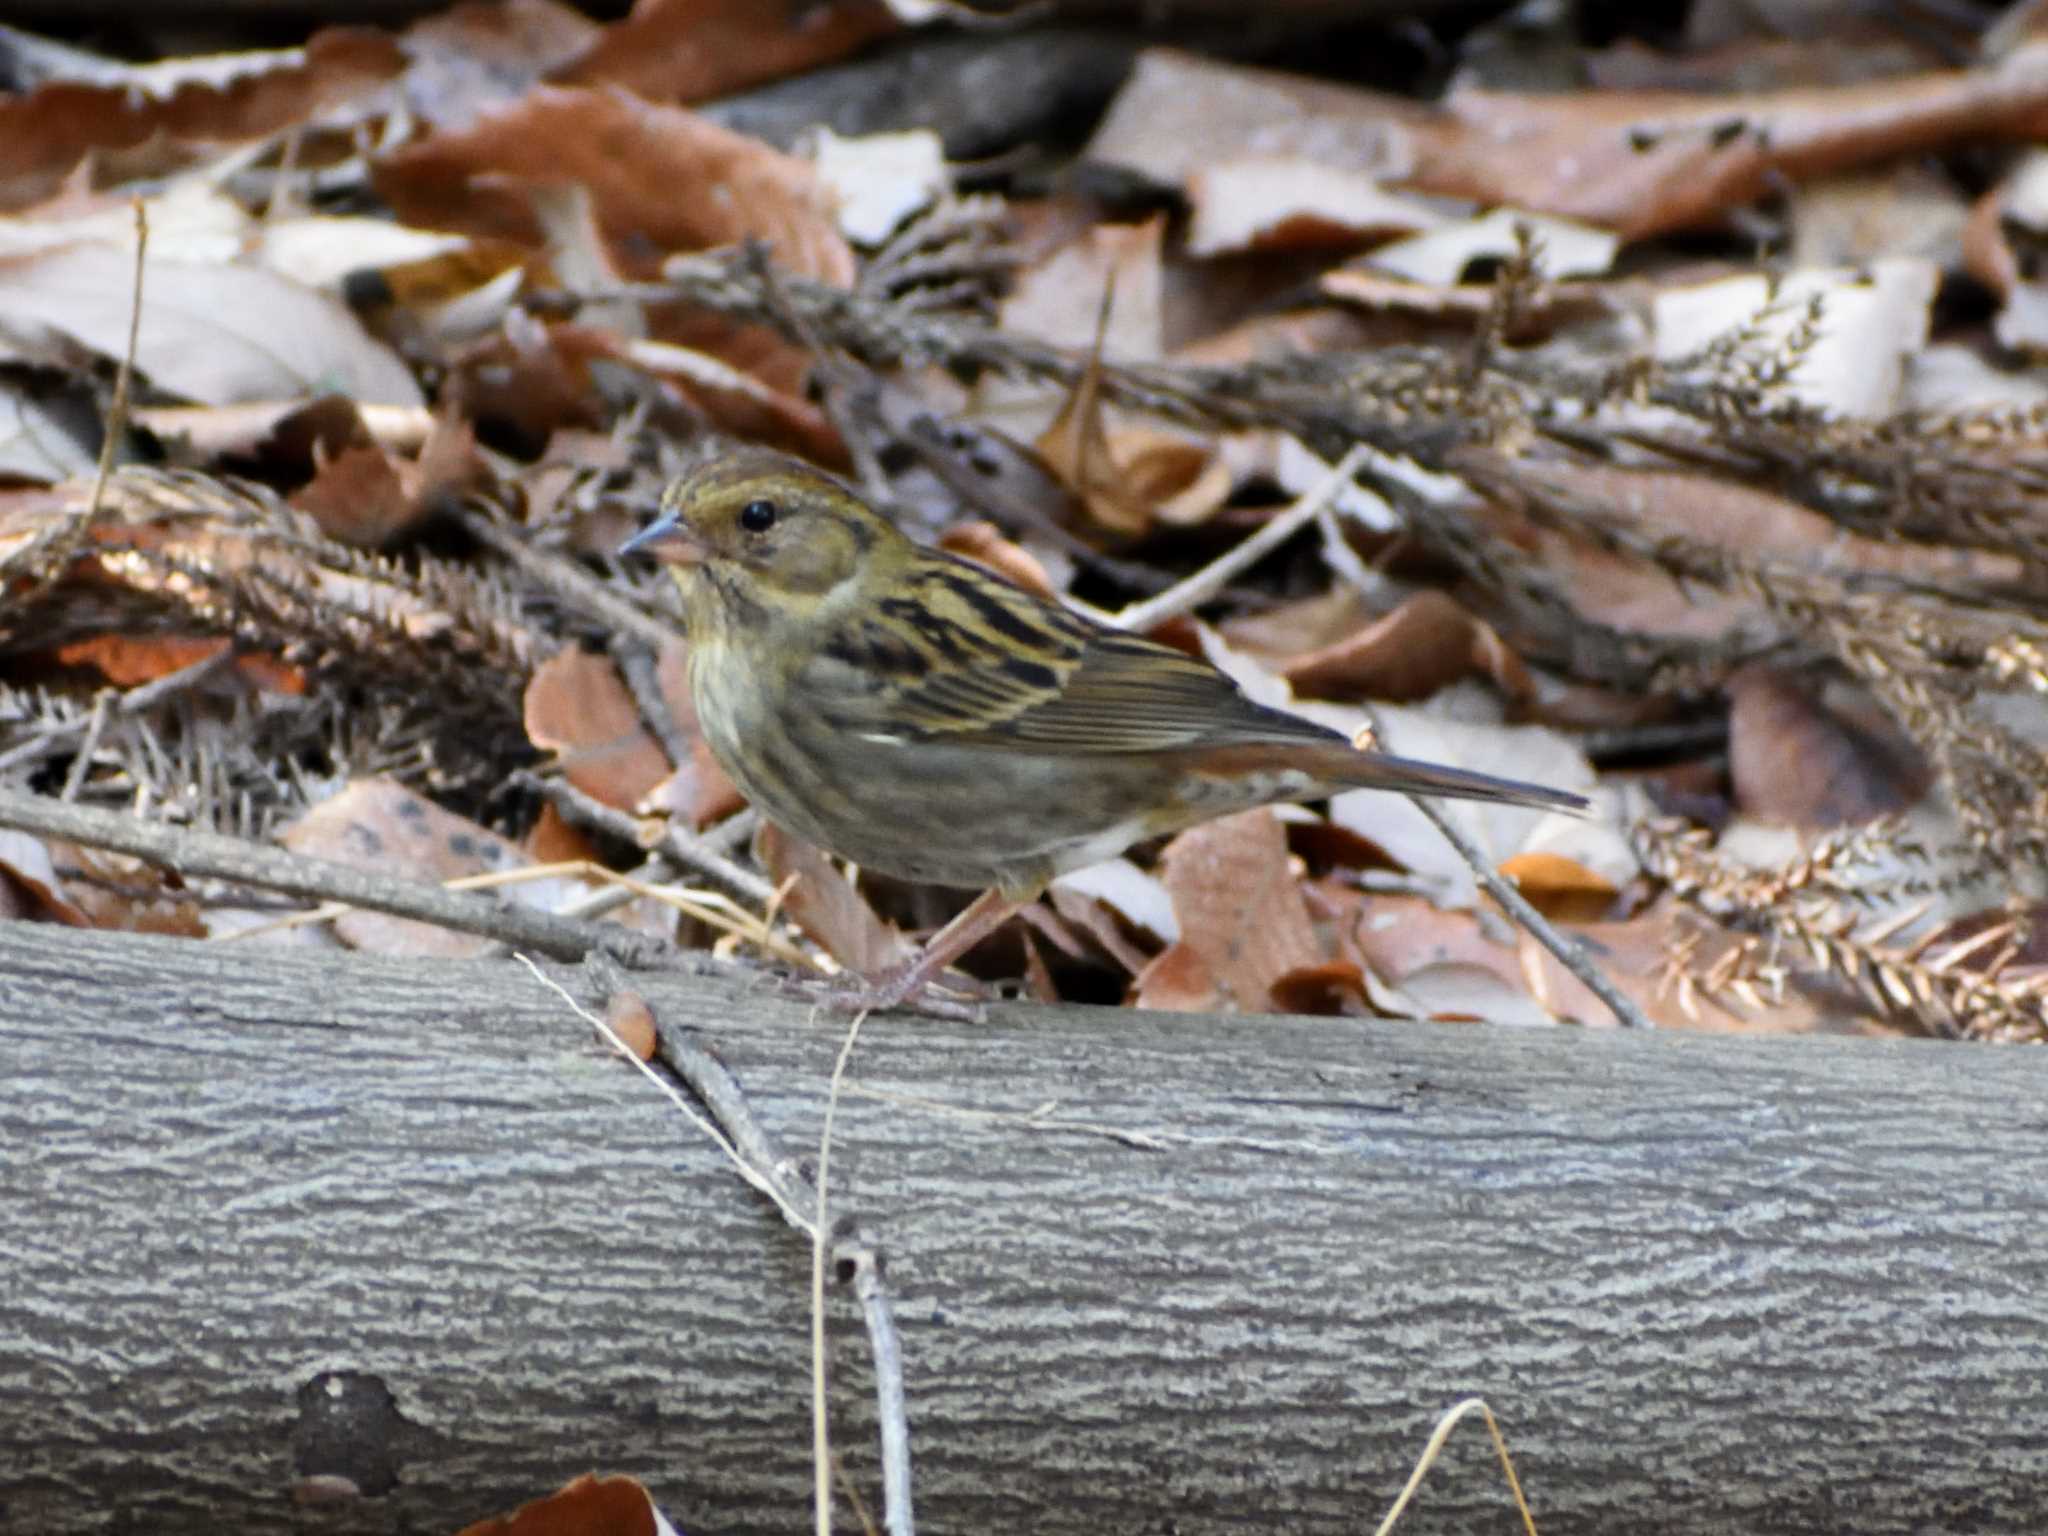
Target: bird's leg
{"points": [[904, 980]]}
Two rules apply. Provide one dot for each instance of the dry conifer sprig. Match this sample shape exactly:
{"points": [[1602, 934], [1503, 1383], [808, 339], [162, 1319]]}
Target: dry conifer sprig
{"points": [[1969, 985], [428, 657]]}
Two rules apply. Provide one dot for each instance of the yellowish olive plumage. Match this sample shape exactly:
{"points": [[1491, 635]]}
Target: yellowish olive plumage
{"points": [[925, 718]]}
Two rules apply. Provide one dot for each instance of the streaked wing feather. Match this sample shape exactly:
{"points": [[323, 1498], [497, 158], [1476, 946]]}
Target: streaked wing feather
{"points": [[1131, 695], [963, 658]]}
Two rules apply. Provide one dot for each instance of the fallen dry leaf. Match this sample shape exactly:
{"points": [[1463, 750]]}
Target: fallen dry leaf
{"points": [[660, 180], [693, 50], [129, 660], [45, 133], [578, 708], [1562, 889], [39, 438], [1799, 759], [1428, 643], [1870, 320], [1179, 113], [589, 1506], [1549, 305], [212, 332], [823, 902], [698, 791], [1631, 595], [118, 894], [1059, 300], [465, 61], [29, 885], [1637, 163], [1444, 253], [880, 179], [2005, 247], [1243, 925], [379, 825], [1285, 202], [284, 433], [632, 1022]]}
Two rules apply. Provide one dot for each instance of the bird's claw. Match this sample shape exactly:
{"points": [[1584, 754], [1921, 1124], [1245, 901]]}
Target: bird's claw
{"points": [[849, 993]]}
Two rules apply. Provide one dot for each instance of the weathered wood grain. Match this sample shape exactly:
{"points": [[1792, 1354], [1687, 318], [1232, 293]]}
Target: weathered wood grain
{"points": [[1711, 1285]]}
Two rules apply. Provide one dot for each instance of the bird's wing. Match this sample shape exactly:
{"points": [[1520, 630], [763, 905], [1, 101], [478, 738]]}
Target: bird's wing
{"points": [[958, 656]]}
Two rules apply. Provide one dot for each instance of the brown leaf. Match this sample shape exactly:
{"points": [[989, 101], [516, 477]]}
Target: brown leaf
{"points": [[29, 884], [589, 1506], [1243, 924], [1634, 162], [698, 791], [284, 433], [1630, 595], [1562, 889], [1800, 759], [128, 660], [119, 894], [660, 179], [633, 1022], [693, 50], [1641, 163], [826, 906], [471, 58], [358, 497], [46, 132], [985, 545], [1551, 305], [1076, 446], [379, 825], [1059, 300], [552, 840], [740, 403], [577, 707], [2005, 247], [1179, 113], [1178, 980], [1428, 643]]}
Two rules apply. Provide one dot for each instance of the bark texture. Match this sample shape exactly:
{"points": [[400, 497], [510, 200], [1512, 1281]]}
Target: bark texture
{"points": [[275, 1214]]}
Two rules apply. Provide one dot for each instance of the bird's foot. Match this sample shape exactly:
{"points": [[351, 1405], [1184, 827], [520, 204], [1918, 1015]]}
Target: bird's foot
{"points": [[900, 987]]}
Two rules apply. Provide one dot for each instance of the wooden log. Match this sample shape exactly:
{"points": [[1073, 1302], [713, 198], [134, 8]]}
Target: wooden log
{"points": [[275, 1214]]}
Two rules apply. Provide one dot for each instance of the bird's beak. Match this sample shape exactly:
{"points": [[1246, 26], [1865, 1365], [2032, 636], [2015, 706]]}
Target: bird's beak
{"points": [[667, 539]]}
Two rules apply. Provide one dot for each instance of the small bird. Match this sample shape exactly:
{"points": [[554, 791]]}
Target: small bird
{"points": [[923, 717]]}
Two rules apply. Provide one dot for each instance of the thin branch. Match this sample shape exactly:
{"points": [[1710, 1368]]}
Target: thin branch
{"points": [[821, 1418], [1570, 953], [890, 1405], [641, 668], [754, 1171], [720, 1093], [192, 852], [1218, 573], [676, 842], [117, 409], [571, 582]]}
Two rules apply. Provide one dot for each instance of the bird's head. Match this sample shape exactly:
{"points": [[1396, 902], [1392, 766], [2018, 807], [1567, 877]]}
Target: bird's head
{"points": [[761, 533]]}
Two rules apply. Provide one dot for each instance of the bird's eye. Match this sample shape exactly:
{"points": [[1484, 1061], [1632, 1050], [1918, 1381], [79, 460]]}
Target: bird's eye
{"points": [[758, 516]]}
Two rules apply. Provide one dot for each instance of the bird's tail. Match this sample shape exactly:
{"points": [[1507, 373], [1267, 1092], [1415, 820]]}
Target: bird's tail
{"points": [[1354, 769]]}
